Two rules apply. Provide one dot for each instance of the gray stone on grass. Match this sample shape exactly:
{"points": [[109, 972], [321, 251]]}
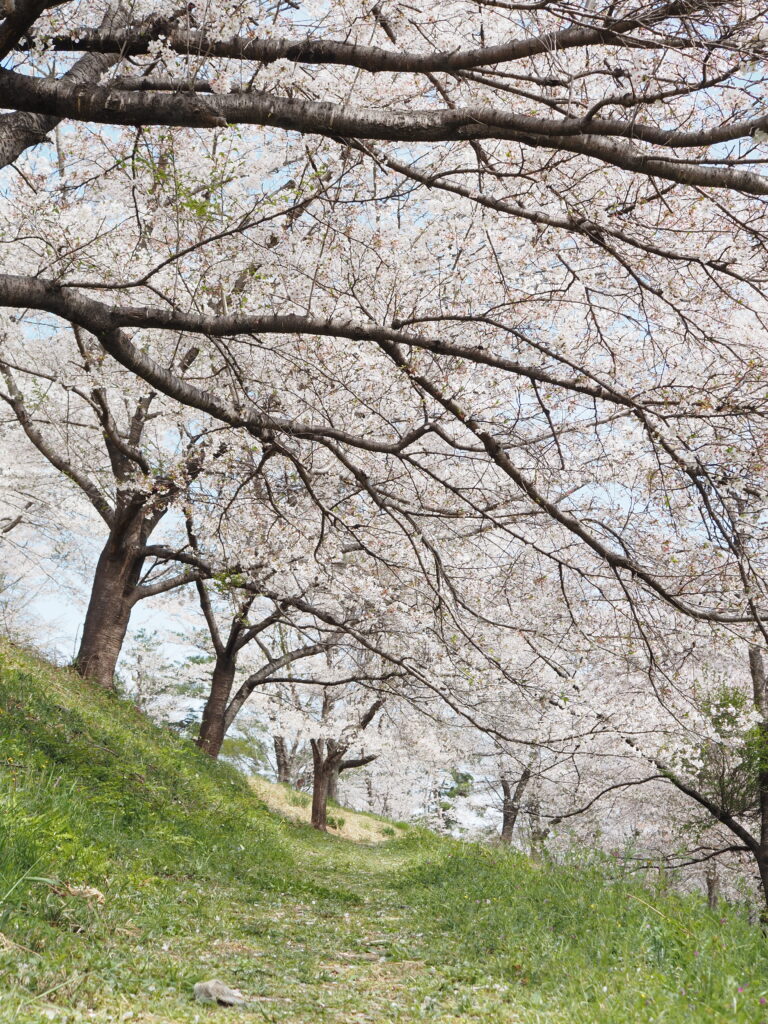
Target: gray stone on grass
{"points": [[215, 991]]}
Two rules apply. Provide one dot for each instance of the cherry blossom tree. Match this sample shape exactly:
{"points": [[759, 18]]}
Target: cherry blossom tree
{"points": [[709, 744], [330, 717], [329, 760], [461, 305], [129, 460], [499, 254], [225, 700]]}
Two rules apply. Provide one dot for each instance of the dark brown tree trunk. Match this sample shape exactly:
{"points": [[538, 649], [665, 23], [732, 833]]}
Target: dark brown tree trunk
{"points": [[321, 776], [762, 858], [111, 603], [282, 760], [511, 804], [213, 726], [333, 784], [762, 867]]}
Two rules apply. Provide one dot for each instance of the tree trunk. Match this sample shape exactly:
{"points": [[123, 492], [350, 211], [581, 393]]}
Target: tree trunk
{"points": [[327, 763], [539, 831], [109, 608], [213, 726], [762, 867], [333, 784], [286, 763], [713, 886], [511, 804], [281, 759], [508, 812], [321, 776]]}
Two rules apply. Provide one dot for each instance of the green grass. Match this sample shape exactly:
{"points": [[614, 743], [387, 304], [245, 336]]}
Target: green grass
{"points": [[199, 880]]}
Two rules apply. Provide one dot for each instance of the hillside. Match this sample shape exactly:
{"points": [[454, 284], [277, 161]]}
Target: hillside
{"points": [[131, 867]]}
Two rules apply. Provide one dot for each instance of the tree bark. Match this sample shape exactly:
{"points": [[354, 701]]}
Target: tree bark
{"points": [[213, 726], [327, 764], [511, 804], [321, 776], [762, 867], [19, 131], [282, 760], [713, 886], [112, 598], [333, 784]]}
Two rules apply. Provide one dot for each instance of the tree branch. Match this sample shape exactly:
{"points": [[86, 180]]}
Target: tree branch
{"points": [[16, 401], [263, 674], [20, 130], [357, 762], [597, 139], [372, 58], [151, 589]]}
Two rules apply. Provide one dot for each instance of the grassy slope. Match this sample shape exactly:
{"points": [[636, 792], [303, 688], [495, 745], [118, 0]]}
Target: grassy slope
{"points": [[200, 880]]}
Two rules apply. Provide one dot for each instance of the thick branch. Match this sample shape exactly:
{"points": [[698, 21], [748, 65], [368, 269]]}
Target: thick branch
{"points": [[20, 130], [357, 762], [108, 105], [370, 58], [100, 319], [20, 15], [368, 716], [717, 812], [714, 809], [173, 583], [45, 294]]}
